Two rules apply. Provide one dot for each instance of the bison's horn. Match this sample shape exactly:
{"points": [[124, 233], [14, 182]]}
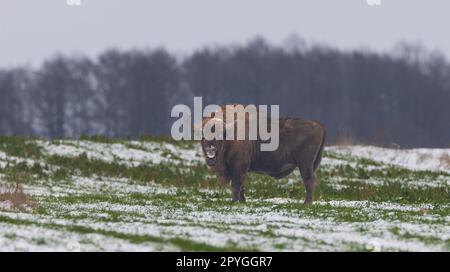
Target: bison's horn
{"points": [[214, 122]]}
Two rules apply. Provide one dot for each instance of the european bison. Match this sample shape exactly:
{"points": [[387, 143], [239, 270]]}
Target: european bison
{"points": [[301, 143]]}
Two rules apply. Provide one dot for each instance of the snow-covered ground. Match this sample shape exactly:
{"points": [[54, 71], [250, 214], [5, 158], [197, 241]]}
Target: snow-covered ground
{"points": [[415, 159], [117, 213]]}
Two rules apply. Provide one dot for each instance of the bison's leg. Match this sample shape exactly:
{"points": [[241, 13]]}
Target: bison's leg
{"points": [[237, 189], [242, 195], [309, 184], [308, 178]]}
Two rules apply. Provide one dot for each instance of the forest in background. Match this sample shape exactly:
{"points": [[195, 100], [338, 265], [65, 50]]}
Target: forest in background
{"points": [[396, 98]]}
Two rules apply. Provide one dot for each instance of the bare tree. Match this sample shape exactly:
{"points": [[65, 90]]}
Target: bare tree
{"points": [[13, 110]]}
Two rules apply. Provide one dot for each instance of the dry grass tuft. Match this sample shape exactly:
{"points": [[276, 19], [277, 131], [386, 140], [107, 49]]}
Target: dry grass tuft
{"points": [[423, 157], [15, 196], [445, 159]]}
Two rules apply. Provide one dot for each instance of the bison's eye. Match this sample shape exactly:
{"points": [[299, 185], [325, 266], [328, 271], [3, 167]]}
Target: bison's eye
{"points": [[211, 151]]}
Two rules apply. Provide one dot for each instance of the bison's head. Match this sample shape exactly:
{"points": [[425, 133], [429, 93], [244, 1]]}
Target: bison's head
{"points": [[211, 151], [212, 146]]}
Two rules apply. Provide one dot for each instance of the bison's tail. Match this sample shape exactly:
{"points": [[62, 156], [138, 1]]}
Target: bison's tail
{"points": [[319, 153]]}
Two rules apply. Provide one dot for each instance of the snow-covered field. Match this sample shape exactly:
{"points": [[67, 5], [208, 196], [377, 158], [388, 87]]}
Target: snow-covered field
{"points": [[160, 196]]}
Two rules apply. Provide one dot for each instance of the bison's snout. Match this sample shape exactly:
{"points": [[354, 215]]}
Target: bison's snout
{"points": [[211, 152]]}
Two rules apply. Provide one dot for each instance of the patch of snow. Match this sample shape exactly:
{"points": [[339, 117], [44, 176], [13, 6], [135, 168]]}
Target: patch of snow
{"points": [[6, 205], [415, 159], [36, 238], [5, 159], [154, 153]]}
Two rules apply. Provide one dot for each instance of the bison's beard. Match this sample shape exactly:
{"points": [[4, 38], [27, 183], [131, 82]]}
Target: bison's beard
{"points": [[220, 170], [211, 161], [224, 180], [218, 165]]}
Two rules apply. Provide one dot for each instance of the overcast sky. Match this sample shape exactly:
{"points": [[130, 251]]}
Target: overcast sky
{"points": [[32, 30]]}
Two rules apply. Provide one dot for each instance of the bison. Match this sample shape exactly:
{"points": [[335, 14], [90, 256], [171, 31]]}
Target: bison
{"points": [[301, 143]]}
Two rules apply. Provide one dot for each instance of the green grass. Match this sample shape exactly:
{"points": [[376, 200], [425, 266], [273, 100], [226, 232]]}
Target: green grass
{"points": [[172, 195], [20, 147]]}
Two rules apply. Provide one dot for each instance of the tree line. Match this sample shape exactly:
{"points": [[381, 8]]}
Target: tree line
{"points": [[401, 97]]}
